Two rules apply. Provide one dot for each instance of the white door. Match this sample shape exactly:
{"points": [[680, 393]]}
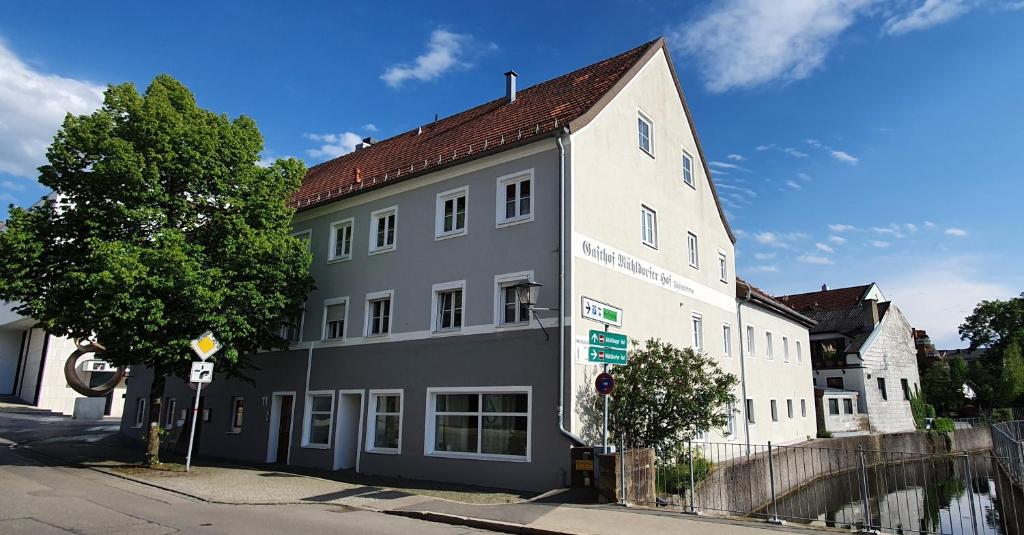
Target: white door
{"points": [[347, 443]]}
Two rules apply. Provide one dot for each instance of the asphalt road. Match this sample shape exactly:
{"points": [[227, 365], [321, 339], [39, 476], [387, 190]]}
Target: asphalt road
{"points": [[40, 497]]}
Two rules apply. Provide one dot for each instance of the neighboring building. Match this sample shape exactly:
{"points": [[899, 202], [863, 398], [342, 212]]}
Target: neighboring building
{"points": [[417, 356], [863, 343], [924, 346], [968, 355], [837, 412]]}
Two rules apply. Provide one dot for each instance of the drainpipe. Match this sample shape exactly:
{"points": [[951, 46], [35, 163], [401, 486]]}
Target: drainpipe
{"points": [[743, 369], [561, 294]]}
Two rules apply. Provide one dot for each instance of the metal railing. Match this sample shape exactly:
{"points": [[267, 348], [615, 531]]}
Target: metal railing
{"points": [[1008, 448], [861, 489]]}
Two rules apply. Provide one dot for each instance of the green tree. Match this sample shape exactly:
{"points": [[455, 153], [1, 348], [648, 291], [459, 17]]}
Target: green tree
{"points": [[994, 324], [666, 395], [1013, 373], [163, 227], [941, 388]]}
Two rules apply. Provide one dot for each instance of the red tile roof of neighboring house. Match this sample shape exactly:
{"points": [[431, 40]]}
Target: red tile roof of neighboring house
{"points": [[766, 299], [839, 298]]}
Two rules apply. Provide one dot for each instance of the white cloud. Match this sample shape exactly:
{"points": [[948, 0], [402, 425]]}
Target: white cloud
{"points": [[814, 259], [838, 240], [10, 185], [793, 152], [844, 156], [958, 232], [911, 228], [929, 13], [736, 157], [724, 165], [32, 108], [881, 244], [891, 230], [793, 184], [745, 191], [746, 43], [333, 145], [841, 227], [782, 240], [824, 247], [767, 268], [370, 127], [445, 51], [764, 147], [805, 177], [764, 256], [929, 224]]}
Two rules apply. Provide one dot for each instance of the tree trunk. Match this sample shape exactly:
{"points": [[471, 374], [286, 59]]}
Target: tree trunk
{"points": [[156, 393]]}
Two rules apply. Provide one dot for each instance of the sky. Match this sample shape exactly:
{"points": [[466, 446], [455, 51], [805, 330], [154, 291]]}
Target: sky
{"points": [[852, 141]]}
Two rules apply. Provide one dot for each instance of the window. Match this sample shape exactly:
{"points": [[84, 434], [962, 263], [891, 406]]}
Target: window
{"points": [[881, 389], [906, 389], [789, 409], [448, 302], [335, 314], [140, 412], [316, 432], [291, 329], [510, 310], [645, 131], [769, 347], [775, 411], [648, 227], [305, 236], [489, 423], [785, 349], [378, 313], [723, 267], [750, 411], [799, 352], [727, 340], [341, 241], [514, 199], [383, 227], [751, 346], [386, 419], [169, 412], [451, 213], [834, 382], [833, 406], [803, 408], [691, 244], [847, 406], [237, 414], [730, 422], [698, 330], [688, 169]]}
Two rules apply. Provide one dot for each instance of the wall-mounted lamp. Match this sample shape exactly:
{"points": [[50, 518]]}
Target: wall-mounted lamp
{"points": [[528, 293]]}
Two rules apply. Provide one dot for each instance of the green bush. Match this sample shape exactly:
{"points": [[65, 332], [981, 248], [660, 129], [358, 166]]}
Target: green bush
{"points": [[943, 425], [824, 434], [1002, 415], [675, 479], [921, 410]]}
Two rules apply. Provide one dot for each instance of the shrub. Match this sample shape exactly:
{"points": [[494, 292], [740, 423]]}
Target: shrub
{"points": [[824, 434], [921, 410], [675, 478], [1002, 415], [943, 425]]}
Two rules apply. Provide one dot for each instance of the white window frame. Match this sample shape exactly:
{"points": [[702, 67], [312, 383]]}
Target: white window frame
{"points": [[692, 250], [751, 342], [750, 412], [500, 283], [307, 420], [141, 409], [785, 349], [688, 159], [726, 339], [435, 318], [452, 195], [641, 116], [232, 428], [730, 422], [774, 409], [799, 353], [431, 413], [769, 342], [723, 266], [344, 326], [333, 240], [172, 405], [644, 210], [790, 412], [368, 319], [371, 420], [803, 407], [697, 325], [499, 199], [374, 217]]}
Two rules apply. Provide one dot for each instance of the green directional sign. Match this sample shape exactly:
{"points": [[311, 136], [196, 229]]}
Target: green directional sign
{"points": [[607, 339], [605, 355]]}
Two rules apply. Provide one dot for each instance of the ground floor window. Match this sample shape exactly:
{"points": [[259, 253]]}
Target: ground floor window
{"points": [[803, 408], [833, 406], [140, 412], [789, 409], [319, 416], [750, 411], [385, 433], [237, 414], [848, 406], [775, 411], [169, 415], [485, 423]]}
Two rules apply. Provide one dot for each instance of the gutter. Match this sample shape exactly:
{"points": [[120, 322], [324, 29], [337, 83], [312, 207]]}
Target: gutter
{"points": [[561, 293], [743, 368]]}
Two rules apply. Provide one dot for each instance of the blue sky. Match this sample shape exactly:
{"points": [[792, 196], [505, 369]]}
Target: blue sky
{"points": [[852, 141]]}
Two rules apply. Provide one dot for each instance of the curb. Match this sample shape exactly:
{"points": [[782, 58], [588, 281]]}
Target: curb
{"points": [[478, 523]]}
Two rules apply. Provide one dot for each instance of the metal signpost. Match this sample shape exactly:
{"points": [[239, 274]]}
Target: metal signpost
{"points": [[605, 348], [202, 373]]}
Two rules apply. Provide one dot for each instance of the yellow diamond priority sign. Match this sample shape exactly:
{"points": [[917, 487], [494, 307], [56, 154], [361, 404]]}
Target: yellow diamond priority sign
{"points": [[205, 346]]}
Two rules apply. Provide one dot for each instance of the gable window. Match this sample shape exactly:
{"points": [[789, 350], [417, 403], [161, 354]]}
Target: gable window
{"points": [[881, 389], [789, 409], [335, 314], [491, 423], [451, 213], [785, 349], [514, 198], [448, 302], [688, 169], [775, 410], [383, 227], [751, 345], [769, 347], [803, 408], [510, 309], [691, 243], [697, 323], [316, 432], [341, 241], [750, 411], [378, 313], [648, 227], [645, 132], [727, 340], [169, 415], [140, 411], [723, 267], [833, 406], [385, 435], [237, 414]]}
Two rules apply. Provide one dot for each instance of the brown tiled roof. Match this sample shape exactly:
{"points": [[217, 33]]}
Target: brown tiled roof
{"points": [[543, 109], [764, 298], [839, 298]]}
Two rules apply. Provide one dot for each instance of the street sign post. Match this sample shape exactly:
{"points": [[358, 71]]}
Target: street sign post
{"points": [[605, 383], [601, 312], [604, 355], [202, 372]]}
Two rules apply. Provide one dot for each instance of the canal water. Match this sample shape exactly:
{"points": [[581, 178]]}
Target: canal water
{"points": [[951, 495]]}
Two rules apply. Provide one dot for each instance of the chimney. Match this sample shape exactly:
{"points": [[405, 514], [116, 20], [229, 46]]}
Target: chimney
{"points": [[358, 175], [824, 287], [510, 86], [870, 312]]}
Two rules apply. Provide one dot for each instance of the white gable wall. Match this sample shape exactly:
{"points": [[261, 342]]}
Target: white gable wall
{"points": [[890, 354]]}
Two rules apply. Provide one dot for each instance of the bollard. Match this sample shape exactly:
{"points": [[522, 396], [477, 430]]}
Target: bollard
{"points": [[864, 504], [774, 518], [689, 447]]}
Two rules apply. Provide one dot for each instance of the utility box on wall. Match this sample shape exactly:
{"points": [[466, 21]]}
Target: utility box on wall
{"points": [[584, 464]]}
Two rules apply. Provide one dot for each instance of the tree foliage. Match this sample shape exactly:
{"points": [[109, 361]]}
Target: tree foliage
{"points": [[995, 324], [162, 226], [666, 395]]}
